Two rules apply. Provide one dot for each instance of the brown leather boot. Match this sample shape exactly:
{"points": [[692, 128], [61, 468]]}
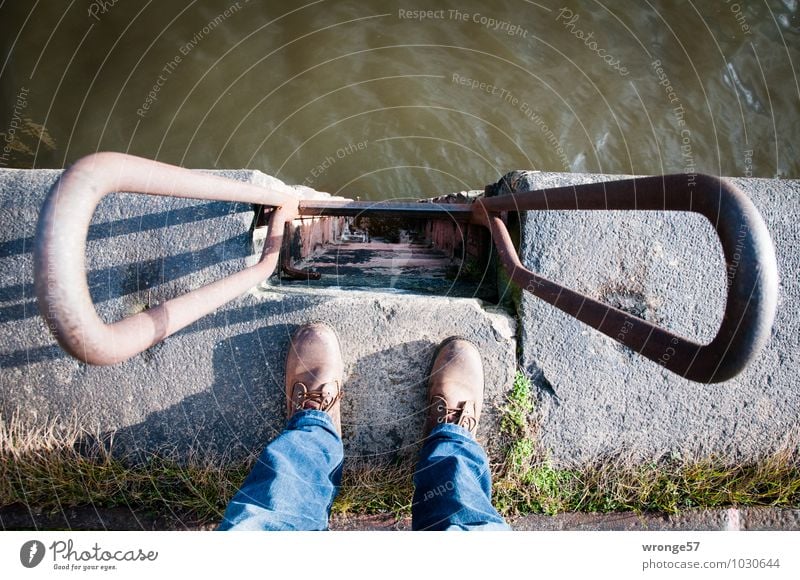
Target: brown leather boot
{"points": [[455, 388], [314, 372]]}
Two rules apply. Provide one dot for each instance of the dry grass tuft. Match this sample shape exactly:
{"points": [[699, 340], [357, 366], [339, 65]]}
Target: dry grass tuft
{"points": [[369, 488], [53, 468]]}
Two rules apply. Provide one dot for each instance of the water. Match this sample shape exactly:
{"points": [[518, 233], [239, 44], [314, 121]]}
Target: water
{"points": [[373, 99]]}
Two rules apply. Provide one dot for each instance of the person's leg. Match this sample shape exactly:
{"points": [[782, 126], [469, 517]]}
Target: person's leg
{"points": [[294, 481], [453, 485], [452, 480], [296, 478]]}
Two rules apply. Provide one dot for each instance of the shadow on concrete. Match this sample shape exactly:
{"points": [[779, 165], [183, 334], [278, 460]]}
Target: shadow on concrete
{"points": [[244, 409], [111, 283], [135, 276], [133, 225], [384, 404], [241, 411], [218, 319]]}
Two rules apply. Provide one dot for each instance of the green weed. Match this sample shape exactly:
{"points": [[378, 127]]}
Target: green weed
{"points": [[48, 469]]}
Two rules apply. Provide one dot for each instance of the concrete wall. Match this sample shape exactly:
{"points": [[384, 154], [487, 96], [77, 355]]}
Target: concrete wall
{"points": [[597, 398], [217, 386], [219, 383]]}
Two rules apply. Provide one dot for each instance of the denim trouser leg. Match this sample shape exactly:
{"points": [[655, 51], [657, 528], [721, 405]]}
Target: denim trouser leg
{"points": [[294, 481], [453, 485]]}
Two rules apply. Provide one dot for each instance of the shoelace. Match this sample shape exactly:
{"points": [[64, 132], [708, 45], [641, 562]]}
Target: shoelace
{"points": [[317, 399], [454, 414]]}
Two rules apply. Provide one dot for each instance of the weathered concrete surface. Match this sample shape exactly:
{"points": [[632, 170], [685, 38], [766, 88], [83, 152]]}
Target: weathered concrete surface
{"points": [[597, 398], [733, 519], [218, 385]]}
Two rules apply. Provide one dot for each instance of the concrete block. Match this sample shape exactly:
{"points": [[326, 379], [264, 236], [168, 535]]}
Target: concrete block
{"points": [[217, 386], [595, 397]]}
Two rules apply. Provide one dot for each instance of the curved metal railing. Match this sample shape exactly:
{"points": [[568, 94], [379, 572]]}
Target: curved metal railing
{"points": [[64, 300], [59, 254], [752, 277]]}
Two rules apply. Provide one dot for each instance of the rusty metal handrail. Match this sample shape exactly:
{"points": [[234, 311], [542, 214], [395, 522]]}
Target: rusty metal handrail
{"points": [[59, 254], [65, 302], [752, 272]]}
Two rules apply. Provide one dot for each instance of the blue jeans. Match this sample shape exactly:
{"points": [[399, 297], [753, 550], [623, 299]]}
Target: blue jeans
{"points": [[297, 477]]}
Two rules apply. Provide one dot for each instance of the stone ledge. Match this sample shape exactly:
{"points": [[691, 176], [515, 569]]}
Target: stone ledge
{"points": [[218, 384], [596, 398], [20, 517], [732, 519]]}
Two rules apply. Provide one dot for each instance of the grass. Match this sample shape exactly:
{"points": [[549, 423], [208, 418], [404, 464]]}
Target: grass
{"points": [[52, 469], [368, 488], [527, 482], [515, 421], [669, 487]]}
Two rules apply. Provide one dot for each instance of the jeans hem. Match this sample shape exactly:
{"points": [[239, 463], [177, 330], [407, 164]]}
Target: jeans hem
{"points": [[310, 417], [451, 430]]}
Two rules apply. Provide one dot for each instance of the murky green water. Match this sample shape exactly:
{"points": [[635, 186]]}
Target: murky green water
{"points": [[394, 99]]}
